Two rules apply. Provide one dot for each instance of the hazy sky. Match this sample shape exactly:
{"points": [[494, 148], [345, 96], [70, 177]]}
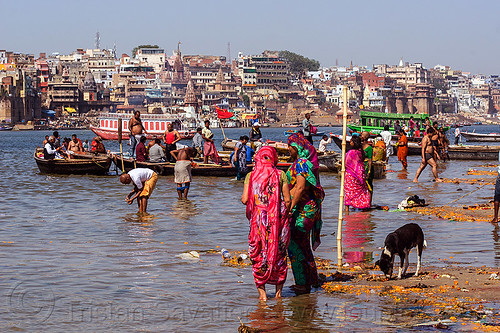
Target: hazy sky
{"points": [[461, 34]]}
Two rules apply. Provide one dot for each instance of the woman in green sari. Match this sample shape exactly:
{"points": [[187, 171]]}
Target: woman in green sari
{"points": [[307, 198]]}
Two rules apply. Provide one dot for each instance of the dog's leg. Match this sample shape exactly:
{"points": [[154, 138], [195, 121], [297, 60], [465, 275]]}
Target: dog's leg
{"points": [[419, 258], [407, 261], [402, 261]]}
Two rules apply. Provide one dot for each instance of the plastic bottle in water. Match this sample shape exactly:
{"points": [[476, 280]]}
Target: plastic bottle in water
{"points": [[225, 254]]}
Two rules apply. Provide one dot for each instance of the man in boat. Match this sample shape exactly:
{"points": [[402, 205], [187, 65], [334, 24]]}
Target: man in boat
{"points": [[397, 127], [428, 156], [209, 146], [75, 145], [141, 154], [457, 135], [256, 136], [57, 142], [182, 169], [170, 137], [98, 146], [144, 181], [156, 153], [198, 141], [387, 136], [136, 131], [306, 127], [325, 140], [50, 151]]}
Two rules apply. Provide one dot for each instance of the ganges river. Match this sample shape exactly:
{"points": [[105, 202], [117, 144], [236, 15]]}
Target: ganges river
{"points": [[76, 258]]}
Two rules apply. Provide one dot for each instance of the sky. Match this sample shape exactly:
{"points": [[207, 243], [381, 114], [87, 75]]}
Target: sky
{"points": [[461, 34]]}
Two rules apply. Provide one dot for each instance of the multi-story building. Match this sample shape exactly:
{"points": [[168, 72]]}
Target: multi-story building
{"points": [[102, 65], [264, 73], [404, 74], [154, 57]]}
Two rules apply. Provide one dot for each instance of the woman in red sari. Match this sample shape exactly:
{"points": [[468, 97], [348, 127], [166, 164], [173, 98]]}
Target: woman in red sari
{"points": [[267, 197], [403, 148], [356, 190]]}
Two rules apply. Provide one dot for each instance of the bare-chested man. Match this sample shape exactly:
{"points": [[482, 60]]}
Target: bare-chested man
{"points": [[182, 169], [428, 156], [75, 145], [136, 131]]}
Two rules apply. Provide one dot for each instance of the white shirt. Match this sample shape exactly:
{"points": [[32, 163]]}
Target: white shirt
{"points": [[49, 148], [457, 132], [306, 126], [140, 175], [323, 143], [386, 136]]}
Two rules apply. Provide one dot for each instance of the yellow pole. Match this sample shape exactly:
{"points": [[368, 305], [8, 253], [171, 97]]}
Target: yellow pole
{"points": [[342, 178]]}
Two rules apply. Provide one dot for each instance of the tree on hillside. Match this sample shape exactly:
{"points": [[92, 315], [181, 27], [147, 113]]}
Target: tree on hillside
{"points": [[134, 50], [299, 63]]}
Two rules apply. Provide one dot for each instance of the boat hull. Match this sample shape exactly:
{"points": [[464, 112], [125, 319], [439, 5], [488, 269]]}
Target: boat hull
{"points": [[113, 135], [479, 137], [85, 164]]}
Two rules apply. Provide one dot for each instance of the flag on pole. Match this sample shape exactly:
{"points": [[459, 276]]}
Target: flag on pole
{"points": [[223, 113]]}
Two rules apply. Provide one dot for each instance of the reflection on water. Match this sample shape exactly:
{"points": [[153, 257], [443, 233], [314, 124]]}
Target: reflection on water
{"points": [[112, 270], [356, 235], [184, 210]]}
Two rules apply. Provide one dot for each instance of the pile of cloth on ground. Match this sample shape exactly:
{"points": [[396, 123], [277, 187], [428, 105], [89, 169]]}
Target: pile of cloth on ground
{"points": [[412, 201]]}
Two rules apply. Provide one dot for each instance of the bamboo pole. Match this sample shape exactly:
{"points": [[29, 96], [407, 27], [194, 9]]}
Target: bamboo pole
{"points": [[222, 128], [120, 131], [342, 178]]}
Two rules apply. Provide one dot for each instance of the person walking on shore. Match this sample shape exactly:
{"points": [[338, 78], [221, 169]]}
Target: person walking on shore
{"points": [[307, 199], [387, 136], [144, 181], [136, 131], [403, 148], [428, 156], [267, 197]]}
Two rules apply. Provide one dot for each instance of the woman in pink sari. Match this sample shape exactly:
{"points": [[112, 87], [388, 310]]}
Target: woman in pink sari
{"points": [[267, 197], [356, 190]]}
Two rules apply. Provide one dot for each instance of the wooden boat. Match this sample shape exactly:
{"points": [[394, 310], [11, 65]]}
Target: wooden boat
{"points": [[80, 164], [481, 137], [290, 132], [463, 152], [374, 122], [155, 125], [281, 147], [327, 164], [6, 128]]}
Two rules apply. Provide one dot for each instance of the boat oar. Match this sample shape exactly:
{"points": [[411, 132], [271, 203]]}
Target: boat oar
{"points": [[120, 141]]}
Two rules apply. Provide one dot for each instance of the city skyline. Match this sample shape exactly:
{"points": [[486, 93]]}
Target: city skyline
{"points": [[452, 33]]}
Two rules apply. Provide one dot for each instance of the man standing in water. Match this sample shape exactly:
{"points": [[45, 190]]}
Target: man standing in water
{"points": [[136, 131], [387, 136], [144, 181], [428, 156], [209, 149], [182, 169]]}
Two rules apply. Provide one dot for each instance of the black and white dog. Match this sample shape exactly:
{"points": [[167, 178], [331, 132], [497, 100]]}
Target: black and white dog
{"points": [[400, 242]]}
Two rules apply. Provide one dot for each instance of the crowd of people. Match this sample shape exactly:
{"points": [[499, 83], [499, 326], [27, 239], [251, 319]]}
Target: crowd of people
{"points": [[56, 148]]}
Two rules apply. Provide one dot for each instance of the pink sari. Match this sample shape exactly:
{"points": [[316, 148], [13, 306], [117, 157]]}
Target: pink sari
{"points": [[355, 188], [269, 227]]}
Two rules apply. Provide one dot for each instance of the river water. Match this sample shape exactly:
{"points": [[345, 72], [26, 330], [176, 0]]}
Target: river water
{"points": [[75, 257]]}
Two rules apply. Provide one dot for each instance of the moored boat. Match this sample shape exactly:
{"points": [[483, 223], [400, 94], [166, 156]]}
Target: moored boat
{"points": [[154, 124], [79, 164], [481, 137], [281, 147]]}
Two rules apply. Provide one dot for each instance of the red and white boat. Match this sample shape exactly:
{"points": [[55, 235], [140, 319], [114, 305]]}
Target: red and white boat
{"points": [[155, 125]]}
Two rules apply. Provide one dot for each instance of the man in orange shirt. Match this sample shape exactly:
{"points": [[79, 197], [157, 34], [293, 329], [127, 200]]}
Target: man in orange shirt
{"points": [[171, 137]]}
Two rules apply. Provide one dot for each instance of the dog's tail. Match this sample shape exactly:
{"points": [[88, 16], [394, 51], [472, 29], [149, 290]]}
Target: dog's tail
{"points": [[425, 243]]}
